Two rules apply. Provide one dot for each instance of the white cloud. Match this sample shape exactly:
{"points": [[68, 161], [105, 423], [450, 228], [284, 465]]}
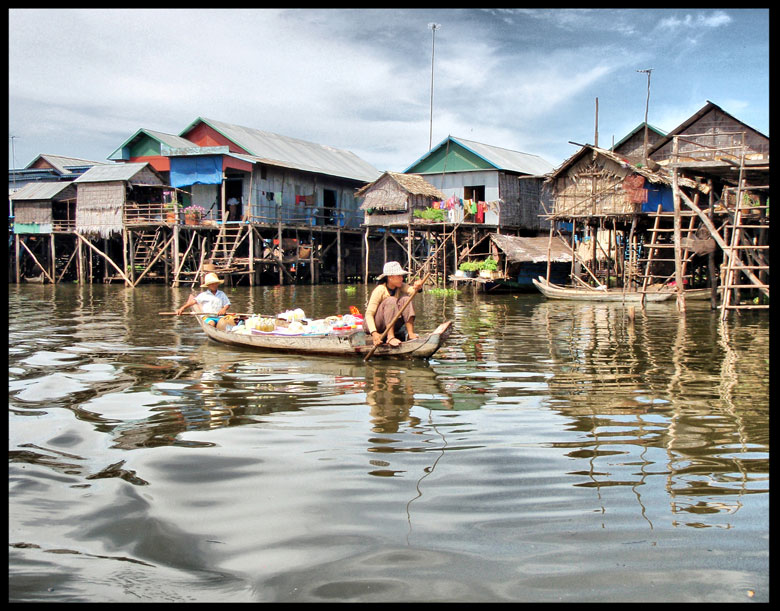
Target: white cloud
{"points": [[711, 20]]}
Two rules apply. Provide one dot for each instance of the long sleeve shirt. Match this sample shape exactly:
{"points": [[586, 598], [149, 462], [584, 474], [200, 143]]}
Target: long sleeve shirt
{"points": [[379, 294]]}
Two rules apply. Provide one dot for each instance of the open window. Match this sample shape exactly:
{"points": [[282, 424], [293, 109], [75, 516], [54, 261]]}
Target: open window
{"points": [[476, 193]]}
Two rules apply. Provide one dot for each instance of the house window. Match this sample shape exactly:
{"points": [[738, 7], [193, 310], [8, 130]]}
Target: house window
{"points": [[476, 193]]}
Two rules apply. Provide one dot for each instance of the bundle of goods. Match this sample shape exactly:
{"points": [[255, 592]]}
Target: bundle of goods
{"points": [[294, 322]]}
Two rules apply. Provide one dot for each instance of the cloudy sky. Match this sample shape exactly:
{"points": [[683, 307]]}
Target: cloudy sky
{"points": [[83, 81]]}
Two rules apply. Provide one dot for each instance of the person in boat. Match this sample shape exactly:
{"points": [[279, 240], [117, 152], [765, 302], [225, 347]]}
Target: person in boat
{"points": [[390, 295], [212, 300]]}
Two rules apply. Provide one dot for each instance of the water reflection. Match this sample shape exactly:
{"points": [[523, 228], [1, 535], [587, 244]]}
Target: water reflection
{"points": [[542, 437], [646, 400]]}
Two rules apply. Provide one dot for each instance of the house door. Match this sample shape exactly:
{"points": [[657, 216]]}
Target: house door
{"points": [[234, 190]]}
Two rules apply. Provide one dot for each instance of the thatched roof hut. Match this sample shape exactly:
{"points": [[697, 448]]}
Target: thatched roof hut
{"points": [[597, 182], [394, 191]]}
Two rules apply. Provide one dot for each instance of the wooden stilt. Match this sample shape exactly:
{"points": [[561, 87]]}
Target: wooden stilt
{"points": [[53, 259], [677, 234], [16, 261]]}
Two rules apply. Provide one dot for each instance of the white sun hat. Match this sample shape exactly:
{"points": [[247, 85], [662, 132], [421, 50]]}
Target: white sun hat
{"points": [[392, 268], [211, 278]]}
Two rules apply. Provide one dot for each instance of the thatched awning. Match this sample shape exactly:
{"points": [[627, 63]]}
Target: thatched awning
{"points": [[532, 249]]}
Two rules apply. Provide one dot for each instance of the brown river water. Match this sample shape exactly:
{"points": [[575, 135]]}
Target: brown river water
{"points": [[550, 451]]}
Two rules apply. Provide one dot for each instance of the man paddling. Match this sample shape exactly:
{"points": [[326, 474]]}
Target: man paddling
{"points": [[211, 301]]}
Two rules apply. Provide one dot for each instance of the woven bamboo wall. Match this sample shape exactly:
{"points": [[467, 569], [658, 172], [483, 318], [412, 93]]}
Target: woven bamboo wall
{"points": [[32, 211], [593, 187], [99, 208]]}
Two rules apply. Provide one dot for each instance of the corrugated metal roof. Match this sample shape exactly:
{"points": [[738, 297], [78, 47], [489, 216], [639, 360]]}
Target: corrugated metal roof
{"points": [[61, 164], [294, 153], [106, 173], [500, 158], [505, 159], [40, 190], [171, 140]]}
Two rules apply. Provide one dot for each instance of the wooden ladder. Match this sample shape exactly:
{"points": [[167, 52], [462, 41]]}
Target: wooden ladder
{"points": [[654, 245], [744, 254]]}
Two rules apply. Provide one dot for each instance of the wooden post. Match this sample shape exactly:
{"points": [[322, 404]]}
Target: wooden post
{"points": [[711, 272], [677, 233], [573, 242], [311, 256], [549, 251], [364, 248], [280, 259], [18, 268], [339, 269], [53, 260], [252, 238], [131, 275], [124, 251], [176, 254], [80, 261], [35, 259]]}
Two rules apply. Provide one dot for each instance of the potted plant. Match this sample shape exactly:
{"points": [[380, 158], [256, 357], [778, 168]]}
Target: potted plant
{"points": [[193, 214], [170, 212], [432, 215], [469, 268], [489, 268]]}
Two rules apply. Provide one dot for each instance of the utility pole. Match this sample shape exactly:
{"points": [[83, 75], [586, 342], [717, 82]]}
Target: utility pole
{"points": [[647, 106], [433, 27]]}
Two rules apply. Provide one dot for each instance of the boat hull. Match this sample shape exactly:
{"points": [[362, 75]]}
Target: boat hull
{"points": [[553, 291], [355, 343]]}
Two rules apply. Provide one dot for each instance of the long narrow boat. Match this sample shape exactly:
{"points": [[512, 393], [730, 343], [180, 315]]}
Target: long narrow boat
{"points": [[354, 343], [554, 291]]}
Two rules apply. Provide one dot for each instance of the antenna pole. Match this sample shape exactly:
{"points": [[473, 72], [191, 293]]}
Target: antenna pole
{"points": [[433, 27], [647, 106]]}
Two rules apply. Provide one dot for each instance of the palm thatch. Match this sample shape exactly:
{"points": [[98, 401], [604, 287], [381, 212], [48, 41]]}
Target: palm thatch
{"points": [[396, 191]]}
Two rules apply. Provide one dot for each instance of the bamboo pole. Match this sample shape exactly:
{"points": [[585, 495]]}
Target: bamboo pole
{"points": [[677, 233]]}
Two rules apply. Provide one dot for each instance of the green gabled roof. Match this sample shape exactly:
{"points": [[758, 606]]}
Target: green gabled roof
{"points": [[463, 155], [641, 126], [154, 140]]}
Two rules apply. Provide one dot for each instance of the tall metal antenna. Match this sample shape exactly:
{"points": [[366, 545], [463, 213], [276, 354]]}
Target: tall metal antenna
{"points": [[433, 27], [647, 106]]}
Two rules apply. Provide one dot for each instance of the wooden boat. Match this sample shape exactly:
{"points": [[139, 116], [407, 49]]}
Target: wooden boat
{"points": [[554, 291], [353, 343]]}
